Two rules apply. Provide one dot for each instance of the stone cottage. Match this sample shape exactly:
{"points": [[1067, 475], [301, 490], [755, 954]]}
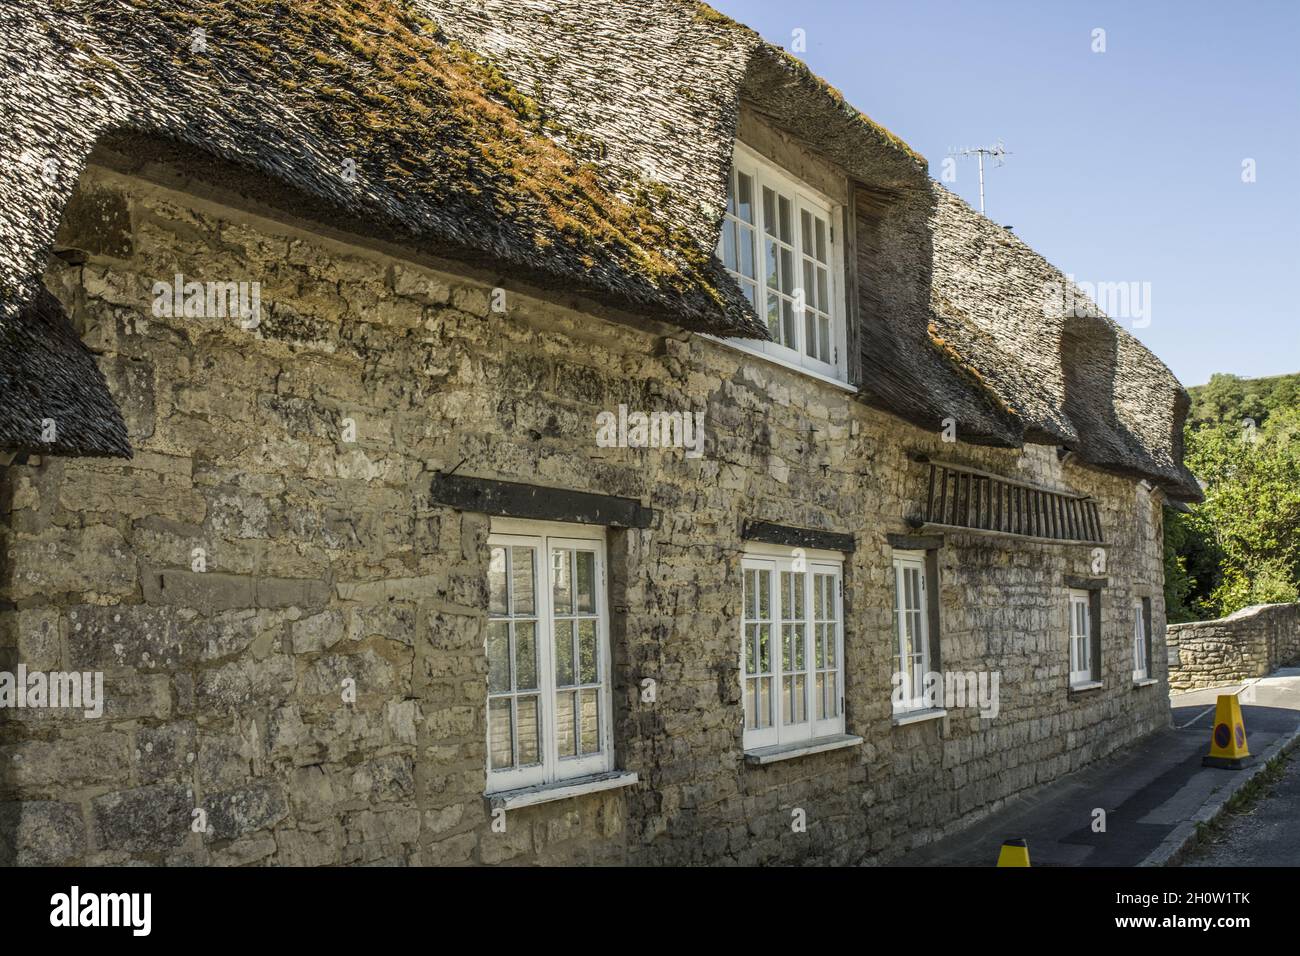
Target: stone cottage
{"points": [[534, 431]]}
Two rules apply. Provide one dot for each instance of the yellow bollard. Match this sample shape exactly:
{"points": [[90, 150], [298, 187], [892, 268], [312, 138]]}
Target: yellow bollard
{"points": [[1013, 853], [1228, 739]]}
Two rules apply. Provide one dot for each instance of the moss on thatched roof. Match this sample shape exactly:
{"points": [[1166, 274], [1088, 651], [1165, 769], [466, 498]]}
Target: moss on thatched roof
{"points": [[578, 145]]}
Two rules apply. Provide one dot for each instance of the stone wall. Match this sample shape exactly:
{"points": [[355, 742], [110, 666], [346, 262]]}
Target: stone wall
{"points": [[1253, 642], [322, 562]]}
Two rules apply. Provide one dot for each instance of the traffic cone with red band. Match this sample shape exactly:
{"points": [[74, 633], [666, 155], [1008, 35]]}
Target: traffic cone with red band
{"points": [[1228, 738]]}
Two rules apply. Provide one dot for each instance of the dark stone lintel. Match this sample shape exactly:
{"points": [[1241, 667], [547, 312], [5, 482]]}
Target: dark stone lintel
{"points": [[508, 499], [915, 542], [1086, 584], [769, 533]]}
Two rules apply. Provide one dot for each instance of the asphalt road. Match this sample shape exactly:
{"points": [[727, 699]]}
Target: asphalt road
{"points": [[1265, 834], [1147, 790]]}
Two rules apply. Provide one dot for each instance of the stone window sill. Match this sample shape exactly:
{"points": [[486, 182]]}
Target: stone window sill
{"points": [[560, 790], [841, 384], [1087, 686], [904, 717], [1144, 681], [778, 752]]}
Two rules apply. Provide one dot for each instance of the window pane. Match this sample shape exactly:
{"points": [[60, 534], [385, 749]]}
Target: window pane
{"points": [[774, 316], [821, 240], [586, 582], [787, 272], [501, 742], [786, 234], [745, 250], [792, 588], [764, 596], [562, 588], [529, 732], [591, 721], [745, 198], [588, 667], [729, 243], [751, 692], [769, 211], [564, 715], [525, 656], [764, 702], [787, 322], [805, 232], [498, 601], [521, 581], [564, 672], [764, 649], [498, 652], [751, 293], [772, 264]]}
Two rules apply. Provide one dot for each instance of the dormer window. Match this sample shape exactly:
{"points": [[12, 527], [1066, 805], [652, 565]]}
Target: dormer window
{"points": [[779, 243]]}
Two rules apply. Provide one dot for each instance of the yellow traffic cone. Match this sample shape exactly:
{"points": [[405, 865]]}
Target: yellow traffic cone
{"points": [[1228, 739], [1013, 853]]}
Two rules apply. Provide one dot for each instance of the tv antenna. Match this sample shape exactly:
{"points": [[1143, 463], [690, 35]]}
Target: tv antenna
{"points": [[997, 153]]}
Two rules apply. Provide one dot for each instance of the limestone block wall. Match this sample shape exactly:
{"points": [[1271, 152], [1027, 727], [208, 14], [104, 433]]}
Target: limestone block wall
{"points": [[295, 460], [1250, 643]]}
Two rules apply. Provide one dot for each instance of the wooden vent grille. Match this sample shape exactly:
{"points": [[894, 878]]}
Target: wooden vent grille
{"points": [[966, 498]]}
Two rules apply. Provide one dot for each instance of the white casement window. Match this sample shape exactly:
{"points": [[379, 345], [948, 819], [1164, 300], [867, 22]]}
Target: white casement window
{"points": [[792, 647], [1080, 638], [778, 242], [548, 655], [1140, 639], [911, 632]]}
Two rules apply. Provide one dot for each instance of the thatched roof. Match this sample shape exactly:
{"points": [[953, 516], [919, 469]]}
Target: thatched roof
{"points": [[574, 144]]}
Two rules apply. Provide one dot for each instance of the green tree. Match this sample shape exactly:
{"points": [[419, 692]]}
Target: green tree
{"points": [[1242, 545]]}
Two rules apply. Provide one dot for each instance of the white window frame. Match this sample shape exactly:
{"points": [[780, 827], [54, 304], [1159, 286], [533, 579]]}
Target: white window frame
{"points": [[543, 537], [763, 172], [1080, 669], [904, 562], [773, 560], [1140, 640]]}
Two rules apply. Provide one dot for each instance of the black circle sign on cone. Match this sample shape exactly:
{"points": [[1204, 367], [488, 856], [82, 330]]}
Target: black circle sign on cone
{"points": [[1222, 735]]}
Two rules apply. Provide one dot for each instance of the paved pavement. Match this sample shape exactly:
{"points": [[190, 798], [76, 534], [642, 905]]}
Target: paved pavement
{"points": [[1152, 793]]}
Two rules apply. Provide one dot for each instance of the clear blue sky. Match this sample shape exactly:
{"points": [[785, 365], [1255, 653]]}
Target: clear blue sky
{"points": [[1126, 165]]}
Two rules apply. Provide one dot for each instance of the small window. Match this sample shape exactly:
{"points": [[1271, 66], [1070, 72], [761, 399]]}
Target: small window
{"points": [[548, 656], [1141, 639], [792, 649], [1081, 658], [911, 632], [778, 243]]}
